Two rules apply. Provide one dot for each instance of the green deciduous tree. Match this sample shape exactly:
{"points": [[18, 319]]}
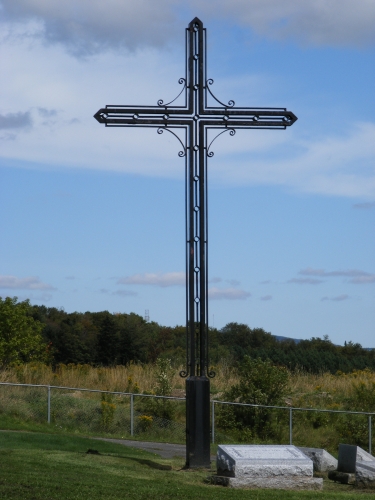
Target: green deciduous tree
{"points": [[20, 334]]}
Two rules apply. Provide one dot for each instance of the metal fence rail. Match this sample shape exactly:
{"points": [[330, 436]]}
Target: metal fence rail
{"points": [[114, 412], [291, 410]]}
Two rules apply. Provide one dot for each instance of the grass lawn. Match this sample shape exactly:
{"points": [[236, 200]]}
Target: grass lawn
{"points": [[36, 466]]}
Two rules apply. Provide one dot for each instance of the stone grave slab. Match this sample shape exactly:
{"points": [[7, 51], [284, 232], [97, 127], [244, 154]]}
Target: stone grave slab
{"points": [[265, 466], [365, 473], [347, 458], [355, 465], [322, 460], [364, 456]]}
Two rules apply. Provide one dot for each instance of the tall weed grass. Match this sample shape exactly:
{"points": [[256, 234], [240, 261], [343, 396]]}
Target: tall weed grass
{"points": [[131, 378], [80, 411], [324, 390]]}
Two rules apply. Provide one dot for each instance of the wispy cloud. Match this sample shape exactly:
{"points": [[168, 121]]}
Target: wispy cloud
{"points": [[227, 294], [155, 279], [215, 279], [309, 22], [338, 298], [40, 297], [364, 206], [339, 164], [363, 280], [15, 120], [233, 282], [47, 113], [91, 28], [125, 293], [305, 281], [356, 276], [266, 297], [29, 283]]}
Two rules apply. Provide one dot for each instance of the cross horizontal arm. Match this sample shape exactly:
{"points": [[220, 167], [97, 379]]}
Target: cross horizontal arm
{"points": [[113, 111], [144, 122], [251, 113], [235, 118], [256, 122]]}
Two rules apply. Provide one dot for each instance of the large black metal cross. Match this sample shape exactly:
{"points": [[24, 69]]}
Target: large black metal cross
{"points": [[192, 122]]}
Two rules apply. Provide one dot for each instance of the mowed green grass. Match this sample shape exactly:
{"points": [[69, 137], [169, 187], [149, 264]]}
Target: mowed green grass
{"points": [[36, 466]]}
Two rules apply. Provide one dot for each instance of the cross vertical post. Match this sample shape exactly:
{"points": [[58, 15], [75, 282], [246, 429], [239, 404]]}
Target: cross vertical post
{"points": [[192, 123]]}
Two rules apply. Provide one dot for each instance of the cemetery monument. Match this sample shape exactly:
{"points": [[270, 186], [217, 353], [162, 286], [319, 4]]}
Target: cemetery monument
{"points": [[194, 123]]}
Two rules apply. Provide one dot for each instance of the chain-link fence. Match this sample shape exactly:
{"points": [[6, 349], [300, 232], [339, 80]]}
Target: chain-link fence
{"points": [[160, 418], [96, 412], [269, 422]]}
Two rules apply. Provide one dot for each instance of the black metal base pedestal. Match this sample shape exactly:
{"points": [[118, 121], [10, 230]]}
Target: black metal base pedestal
{"points": [[198, 422]]}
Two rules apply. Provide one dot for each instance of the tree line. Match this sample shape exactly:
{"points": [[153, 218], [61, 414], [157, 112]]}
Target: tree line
{"points": [[105, 339]]}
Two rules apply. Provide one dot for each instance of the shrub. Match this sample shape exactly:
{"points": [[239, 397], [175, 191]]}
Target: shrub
{"points": [[160, 407], [260, 383], [107, 410]]}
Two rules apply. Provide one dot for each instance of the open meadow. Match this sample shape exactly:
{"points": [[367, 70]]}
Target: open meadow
{"points": [[333, 390], [95, 413]]}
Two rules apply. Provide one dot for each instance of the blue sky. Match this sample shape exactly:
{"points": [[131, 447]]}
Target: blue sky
{"points": [[93, 218]]}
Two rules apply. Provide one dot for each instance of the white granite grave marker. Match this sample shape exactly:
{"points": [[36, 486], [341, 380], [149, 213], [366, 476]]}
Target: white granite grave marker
{"points": [[266, 466]]}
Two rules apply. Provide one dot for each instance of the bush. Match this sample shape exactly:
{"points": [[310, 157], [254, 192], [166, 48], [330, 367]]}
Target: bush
{"points": [[160, 407], [107, 410], [260, 383]]}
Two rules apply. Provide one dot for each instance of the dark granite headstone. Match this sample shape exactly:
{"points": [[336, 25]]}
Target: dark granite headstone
{"points": [[347, 458]]}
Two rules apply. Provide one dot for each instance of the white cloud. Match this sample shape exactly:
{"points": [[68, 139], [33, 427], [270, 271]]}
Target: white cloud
{"points": [[32, 297], [357, 276], [363, 280], [89, 26], [364, 206], [15, 120], [266, 297], [215, 279], [341, 165], [59, 95], [233, 282], [124, 293], [338, 298], [227, 294], [29, 283], [162, 280], [305, 281], [312, 22]]}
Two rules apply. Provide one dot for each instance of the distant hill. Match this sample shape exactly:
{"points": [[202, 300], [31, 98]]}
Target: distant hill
{"points": [[280, 338]]}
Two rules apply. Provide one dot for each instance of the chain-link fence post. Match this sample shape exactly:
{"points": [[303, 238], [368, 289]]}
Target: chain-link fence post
{"points": [[213, 420], [369, 434], [132, 414], [290, 426], [49, 404]]}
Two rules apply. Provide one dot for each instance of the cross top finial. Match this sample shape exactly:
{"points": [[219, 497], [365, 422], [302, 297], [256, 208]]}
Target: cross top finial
{"points": [[196, 20]]}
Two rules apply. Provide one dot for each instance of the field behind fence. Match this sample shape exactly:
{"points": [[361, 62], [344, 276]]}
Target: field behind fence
{"points": [[150, 417]]}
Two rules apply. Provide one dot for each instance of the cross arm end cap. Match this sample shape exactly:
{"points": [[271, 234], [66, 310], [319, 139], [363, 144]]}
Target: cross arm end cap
{"points": [[99, 115]]}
